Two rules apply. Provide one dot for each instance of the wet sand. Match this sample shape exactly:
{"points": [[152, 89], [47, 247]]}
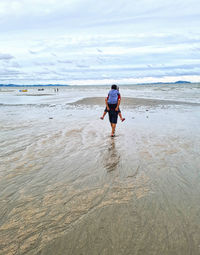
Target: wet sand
{"points": [[132, 102], [67, 187]]}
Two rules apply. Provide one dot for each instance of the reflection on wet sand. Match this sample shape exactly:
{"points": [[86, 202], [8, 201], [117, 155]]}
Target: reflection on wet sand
{"points": [[112, 157], [45, 207]]}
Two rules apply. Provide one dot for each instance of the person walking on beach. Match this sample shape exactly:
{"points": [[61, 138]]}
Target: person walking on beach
{"points": [[105, 111], [112, 107]]}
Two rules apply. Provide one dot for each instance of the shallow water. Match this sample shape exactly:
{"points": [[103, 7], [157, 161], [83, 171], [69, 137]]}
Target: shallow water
{"points": [[67, 187]]}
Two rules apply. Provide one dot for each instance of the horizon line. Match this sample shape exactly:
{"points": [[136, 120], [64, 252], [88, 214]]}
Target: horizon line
{"points": [[63, 85]]}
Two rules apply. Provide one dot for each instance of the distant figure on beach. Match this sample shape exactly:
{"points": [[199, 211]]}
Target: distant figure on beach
{"points": [[112, 107]]}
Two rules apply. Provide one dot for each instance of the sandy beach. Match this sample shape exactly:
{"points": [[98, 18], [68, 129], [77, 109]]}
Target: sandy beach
{"points": [[67, 187], [133, 102]]}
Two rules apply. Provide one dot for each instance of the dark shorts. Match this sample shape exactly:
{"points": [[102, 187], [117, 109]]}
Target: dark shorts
{"points": [[114, 106], [113, 115]]}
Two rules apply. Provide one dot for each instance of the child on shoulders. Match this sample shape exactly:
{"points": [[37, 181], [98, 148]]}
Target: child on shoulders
{"points": [[113, 101]]}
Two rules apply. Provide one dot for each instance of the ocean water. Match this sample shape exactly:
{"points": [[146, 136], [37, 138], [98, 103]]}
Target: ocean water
{"points": [[178, 92], [67, 187]]}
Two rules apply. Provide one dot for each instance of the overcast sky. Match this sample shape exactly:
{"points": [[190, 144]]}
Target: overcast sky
{"points": [[99, 42]]}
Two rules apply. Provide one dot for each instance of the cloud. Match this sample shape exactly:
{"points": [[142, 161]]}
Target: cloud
{"points": [[65, 61], [82, 40], [43, 63], [33, 52], [73, 14], [10, 73], [4, 56], [83, 66]]}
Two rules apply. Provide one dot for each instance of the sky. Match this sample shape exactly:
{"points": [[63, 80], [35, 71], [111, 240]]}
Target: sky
{"points": [[99, 42]]}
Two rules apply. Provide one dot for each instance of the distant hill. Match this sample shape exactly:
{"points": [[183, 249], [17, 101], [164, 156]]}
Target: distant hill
{"points": [[176, 82], [182, 82]]}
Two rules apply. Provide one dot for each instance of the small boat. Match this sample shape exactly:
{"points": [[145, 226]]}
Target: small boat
{"points": [[23, 90]]}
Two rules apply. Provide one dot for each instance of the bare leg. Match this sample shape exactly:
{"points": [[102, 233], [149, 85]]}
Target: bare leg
{"points": [[103, 116], [120, 115], [113, 125]]}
